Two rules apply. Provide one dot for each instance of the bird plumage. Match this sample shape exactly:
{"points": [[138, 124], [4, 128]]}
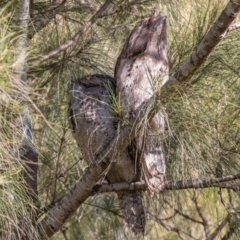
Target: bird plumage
{"points": [[141, 70], [94, 125]]}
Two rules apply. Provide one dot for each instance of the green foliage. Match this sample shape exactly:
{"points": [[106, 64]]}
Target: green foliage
{"points": [[17, 209]]}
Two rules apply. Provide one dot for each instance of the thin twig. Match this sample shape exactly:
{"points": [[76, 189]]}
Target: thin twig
{"points": [[168, 227], [204, 219], [170, 185], [57, 165], [218, 229], [183, 214], [76, 36], [46, 17]]}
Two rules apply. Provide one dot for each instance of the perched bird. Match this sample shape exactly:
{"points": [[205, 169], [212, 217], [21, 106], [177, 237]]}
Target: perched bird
{"points": [[94, 125], [141, 70]]}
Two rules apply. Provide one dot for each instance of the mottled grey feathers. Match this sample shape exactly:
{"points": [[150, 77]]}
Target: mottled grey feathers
{"points": [[94, 125], [141, 70]]}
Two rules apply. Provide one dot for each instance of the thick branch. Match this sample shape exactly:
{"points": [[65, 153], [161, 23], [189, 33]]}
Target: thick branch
{"points": [[85, 190], [207, 44], [76, 36]]}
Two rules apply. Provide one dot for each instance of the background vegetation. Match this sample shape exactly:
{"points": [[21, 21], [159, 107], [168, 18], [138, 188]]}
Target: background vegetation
{"points": [[202, 139]]}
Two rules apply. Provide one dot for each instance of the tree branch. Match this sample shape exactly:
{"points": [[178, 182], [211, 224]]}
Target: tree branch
{"points": [[94, 173], [76, 36], [169, 228], [205, 222], [170, 185], [177, 211], [208, 43], [45, 17], [139, 186], [218, 229]]}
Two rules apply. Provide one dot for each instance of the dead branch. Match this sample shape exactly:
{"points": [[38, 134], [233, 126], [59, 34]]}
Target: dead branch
{"points": [[182, 214]]}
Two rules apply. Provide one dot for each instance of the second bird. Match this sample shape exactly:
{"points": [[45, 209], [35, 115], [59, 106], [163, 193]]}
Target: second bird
{"points": [[141, 70]]}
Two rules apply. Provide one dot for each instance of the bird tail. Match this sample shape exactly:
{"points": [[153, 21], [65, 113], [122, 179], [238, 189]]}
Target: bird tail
{"points": [[153, 168], [153, 164], [133, 210]]}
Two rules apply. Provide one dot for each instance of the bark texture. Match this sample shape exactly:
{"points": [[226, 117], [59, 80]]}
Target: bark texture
{"points": [[208, 43]]}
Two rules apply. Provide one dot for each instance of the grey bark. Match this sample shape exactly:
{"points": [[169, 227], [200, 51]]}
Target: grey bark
{"points": [[76, 36], [220, 182], [200, 54]]}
